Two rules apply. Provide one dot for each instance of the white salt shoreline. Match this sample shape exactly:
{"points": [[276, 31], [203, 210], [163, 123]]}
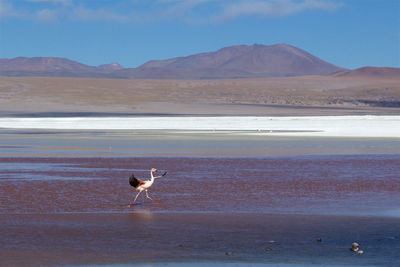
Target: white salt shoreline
{"points": [[329, 126]]}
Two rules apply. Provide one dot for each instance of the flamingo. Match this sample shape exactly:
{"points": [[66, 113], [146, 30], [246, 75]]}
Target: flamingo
{"points": [[140, 185]]}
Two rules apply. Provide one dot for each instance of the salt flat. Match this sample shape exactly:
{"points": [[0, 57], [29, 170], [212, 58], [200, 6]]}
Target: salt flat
{"points": [[323, 126]]}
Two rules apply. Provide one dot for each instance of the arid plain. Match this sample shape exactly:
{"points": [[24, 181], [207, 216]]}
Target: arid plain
{"points": [[306, 95]]}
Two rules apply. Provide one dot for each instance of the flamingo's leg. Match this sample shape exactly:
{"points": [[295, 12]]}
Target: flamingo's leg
{"points": [[133, 202], [151, 198]]}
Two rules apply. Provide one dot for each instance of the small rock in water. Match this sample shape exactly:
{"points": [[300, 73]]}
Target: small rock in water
{"points": [[229, 253], [272, 241], [378, 239], [181, 245], [355, 247], [360, 252], [319, 239], [268, 249]]}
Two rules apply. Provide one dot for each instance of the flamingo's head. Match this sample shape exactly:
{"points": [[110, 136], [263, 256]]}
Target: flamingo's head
{"points": [[153, 169]]}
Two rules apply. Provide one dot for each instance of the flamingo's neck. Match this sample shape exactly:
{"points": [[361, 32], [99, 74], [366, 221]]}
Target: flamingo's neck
{"points": [[151, 175]]}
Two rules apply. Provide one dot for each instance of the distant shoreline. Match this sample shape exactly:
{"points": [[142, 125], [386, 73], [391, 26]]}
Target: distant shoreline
{"points": [[322, 126], [212, 110]]}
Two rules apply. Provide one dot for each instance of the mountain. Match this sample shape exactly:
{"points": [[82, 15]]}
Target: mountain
{"points": [[370, 72], [110, 67], [52, 66], [236, 61], [243, 61]]}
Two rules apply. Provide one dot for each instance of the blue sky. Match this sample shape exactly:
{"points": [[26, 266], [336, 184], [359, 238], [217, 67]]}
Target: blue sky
{"points": [[348, 33]]}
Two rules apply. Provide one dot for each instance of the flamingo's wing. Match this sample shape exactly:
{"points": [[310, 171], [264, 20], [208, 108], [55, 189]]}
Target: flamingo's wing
{"points": [[135, 182]]}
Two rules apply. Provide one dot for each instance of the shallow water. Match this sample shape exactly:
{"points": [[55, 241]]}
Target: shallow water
{"points": [[64, 197], [166, 143], [169, 238], [357, 185]]}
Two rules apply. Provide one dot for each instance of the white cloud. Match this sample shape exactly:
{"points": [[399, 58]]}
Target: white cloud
{"points": [[272, 8], [226, 10], [52, 10], [8, 10], [192, 11], [47, 15]]}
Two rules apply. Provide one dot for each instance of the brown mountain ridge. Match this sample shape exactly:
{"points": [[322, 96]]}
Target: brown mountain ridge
{"points": [[52, 66], [243, 61]]}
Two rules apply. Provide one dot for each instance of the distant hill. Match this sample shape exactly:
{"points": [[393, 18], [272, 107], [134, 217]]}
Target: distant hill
{"points": [[110, 67], [53, 66], [236, 62], [371, 72], [241, 61]]}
